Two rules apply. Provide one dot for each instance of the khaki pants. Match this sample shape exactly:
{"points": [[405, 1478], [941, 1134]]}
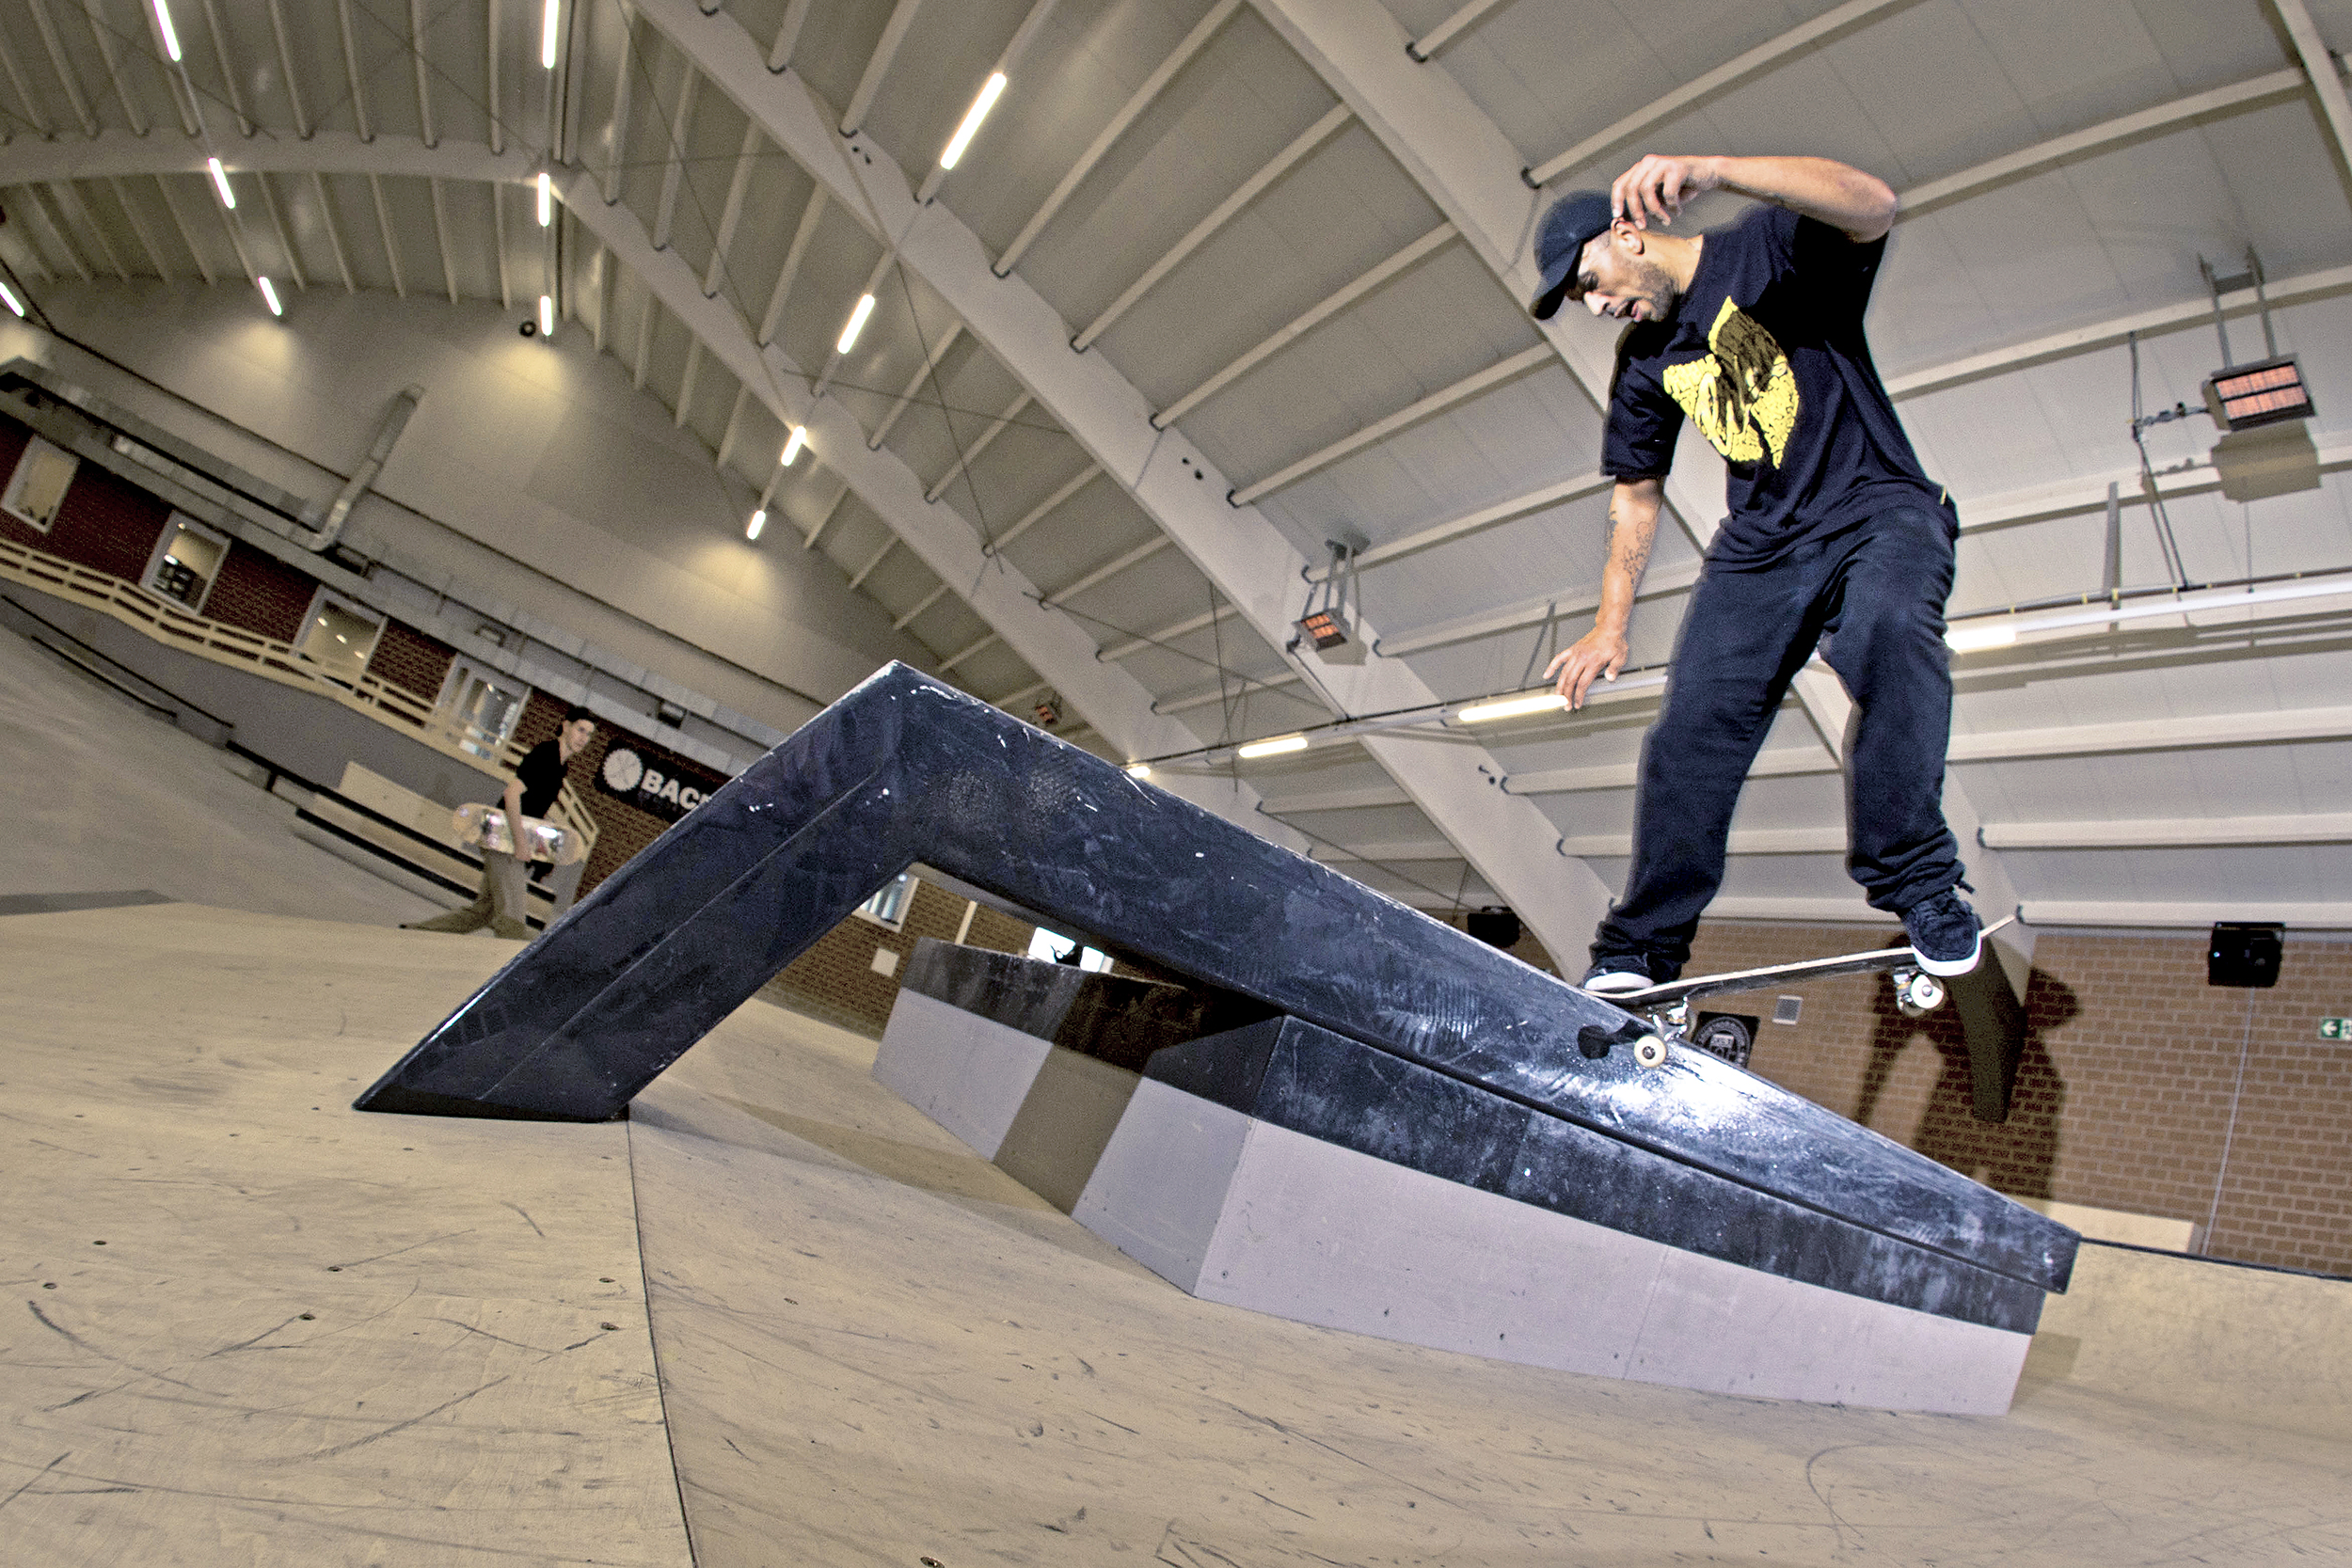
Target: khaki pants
{"points": [[500, 904]]}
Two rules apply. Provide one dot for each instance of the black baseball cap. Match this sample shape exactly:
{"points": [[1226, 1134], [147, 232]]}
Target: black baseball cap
{"points": [[1560, 240]]}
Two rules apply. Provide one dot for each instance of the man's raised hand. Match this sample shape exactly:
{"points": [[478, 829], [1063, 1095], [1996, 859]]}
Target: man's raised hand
{"points": [[1596, 654], [1658, 187]]}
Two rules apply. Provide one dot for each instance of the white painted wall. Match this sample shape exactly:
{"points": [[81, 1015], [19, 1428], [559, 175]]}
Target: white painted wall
{"points": [[532, 473]]}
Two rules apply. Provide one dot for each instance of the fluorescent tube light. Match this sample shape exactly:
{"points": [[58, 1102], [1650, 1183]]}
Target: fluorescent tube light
{"points": [[1512, 707], [978, 112], [220, 180], [270, 295], [547, 200], [1138, 770], [792, 447], [857, 324], [546, 316], [1273, 748], [760, 520], [1970, 636], [171, 38], [10, 300], [547, 35]]}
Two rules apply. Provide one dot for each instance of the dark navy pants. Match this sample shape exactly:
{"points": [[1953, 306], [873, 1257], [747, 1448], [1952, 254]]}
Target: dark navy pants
{"points": [[1876, 591]]}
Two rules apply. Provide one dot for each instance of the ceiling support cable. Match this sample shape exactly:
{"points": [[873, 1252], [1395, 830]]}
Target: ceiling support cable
{"points": [[803, 233], [1160, 639], [1222, 213], [1346, 295], [1128, 113], [673, 169], [1273, 685], [104, 37]]}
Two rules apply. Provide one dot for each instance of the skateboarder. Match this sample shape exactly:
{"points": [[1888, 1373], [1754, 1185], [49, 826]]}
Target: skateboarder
{"points": [[1836, 536], [537, 780]]}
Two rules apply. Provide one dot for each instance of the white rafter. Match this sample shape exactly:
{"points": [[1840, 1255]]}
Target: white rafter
{"points": [[1306, 321], [686, 383], [63, 67], [104, 37], [1445, 32], [1044, 509], [422, 72], [674, 163], [734, 427], [971, 454], [901, 623], [1218, 216], [894, 33], [983, 645], [490, 77], [817, 532], [803, 233], [789, 34], [739, 185], [384, 228], [914, 383], [1206, 28], [1109, 570], [857, 579], [138, 227], [179, 221], [2320, 65], [278, 226], [440, 236], [351, 70], [334, 235], [287, 79], [2181, 832], [623, 74], [77, 216]]}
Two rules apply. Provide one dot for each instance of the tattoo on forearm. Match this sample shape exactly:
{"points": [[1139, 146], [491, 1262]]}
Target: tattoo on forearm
{"points": [[1630, 543]]}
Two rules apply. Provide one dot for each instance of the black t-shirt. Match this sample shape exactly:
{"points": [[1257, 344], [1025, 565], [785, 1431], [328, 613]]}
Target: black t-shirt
{"points": [[1764, 350], [541, 773]]}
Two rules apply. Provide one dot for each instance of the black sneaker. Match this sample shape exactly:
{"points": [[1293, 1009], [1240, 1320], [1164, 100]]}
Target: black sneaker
{"points": [[1617, 974], [1945, 933]]}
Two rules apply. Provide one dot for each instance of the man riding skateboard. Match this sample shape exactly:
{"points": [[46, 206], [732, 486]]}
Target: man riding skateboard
{"points": [[1836, 536]]}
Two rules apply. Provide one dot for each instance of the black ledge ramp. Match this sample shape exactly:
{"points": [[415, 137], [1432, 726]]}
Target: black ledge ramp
{"points": [[906, 768]]}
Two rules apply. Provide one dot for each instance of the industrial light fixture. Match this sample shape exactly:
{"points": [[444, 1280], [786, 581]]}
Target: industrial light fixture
{"points": [[1324, 622], [1138, 770], [546, 316], [1274, 748], [171, 38], [1512, 707], [269, 297], [1047, 713], [10, 300], [547, 200], [760, 520], [792, 447], [1970, 637], [220, 182], [547, 33], [857, 324], [989, 90]]}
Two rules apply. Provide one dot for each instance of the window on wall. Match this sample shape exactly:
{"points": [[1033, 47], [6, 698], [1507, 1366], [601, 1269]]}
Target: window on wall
{"points": [[187, 558], [37, 486], [338, 636], [482, 709], [889, 906], [1054, 949]]}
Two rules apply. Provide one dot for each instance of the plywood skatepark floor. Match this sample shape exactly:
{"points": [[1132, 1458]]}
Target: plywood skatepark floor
{"points": [[779, 1317]]}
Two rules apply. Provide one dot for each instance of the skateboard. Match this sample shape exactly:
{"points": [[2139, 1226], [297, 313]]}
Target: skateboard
{"points": [[487, 826], [1668, 1007]]}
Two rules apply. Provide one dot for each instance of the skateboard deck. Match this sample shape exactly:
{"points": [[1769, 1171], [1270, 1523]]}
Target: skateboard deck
{"points": [[485, 826], [1878, 960]]}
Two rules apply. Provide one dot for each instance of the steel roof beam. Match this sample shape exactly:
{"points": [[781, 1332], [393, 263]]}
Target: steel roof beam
{"points": [[498, 244], [1044, 509], [2320, 67], [423, 72], [351, 70], [873, 286], [817, 532], [971, 454], [277, 226], [1109, 570], [1445, 32], [77, 213], [1271, 684], [914, 383], [2183, 833], [789, 34], [894, 33], [686, 384], [673, 168], [1672, 106], [901, 623], [63, 67], [857, 581], [1776, 763], [496, 125], [735, 425], [2302, 917], [101, 35], [624, 58], [384, 228], [986, 642], [334, 235], [1218, 216], [802, 235], [1347, 294], [31, 113], [187, 237], [2284, 725], [287, 79], [1140, 100], [42, 199], [731, 214], [1007, 63], [1412, 414], [440, 237], [138, 227]]}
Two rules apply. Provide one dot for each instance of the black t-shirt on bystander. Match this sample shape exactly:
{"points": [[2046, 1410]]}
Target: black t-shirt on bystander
{"points": [[541, 774], [1765, 351]]}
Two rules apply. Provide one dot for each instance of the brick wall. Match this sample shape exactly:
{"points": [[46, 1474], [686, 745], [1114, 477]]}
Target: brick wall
{"points": [[2124, 1094], [103, 523], [409, 660], [259, 594], [835, 979]]}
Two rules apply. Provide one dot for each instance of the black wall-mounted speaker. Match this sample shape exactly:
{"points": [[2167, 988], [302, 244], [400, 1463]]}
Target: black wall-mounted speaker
{"points": [[2245, 953]]}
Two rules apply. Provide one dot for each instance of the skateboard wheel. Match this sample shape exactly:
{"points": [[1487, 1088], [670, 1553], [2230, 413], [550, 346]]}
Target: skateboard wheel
{"points": [[1924, 992], [1650, 1051]]}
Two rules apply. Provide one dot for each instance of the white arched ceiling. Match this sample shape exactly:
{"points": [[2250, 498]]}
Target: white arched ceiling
{"points": [[1302, 250]]}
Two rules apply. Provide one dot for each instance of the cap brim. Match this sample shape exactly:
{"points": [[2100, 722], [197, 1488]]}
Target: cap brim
{"points": [[1547, 303]]}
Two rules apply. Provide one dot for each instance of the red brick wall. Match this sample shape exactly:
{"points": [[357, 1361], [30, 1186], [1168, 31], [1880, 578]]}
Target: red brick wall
{"points": [[104, 523], [2124, 1096], [259, 594], [835, 979], [409, 660]]}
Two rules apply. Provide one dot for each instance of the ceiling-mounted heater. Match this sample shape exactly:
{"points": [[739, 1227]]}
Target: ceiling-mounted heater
{"points": [[1328, 620], [2250, 397]]}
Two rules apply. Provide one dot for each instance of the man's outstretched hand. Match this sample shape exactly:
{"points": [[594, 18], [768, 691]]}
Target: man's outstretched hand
{"points": [[1657, 187], [1599, 654]]}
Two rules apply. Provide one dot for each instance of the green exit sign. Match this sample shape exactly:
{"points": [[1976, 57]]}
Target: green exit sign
{"points": [[2335, 1028]]}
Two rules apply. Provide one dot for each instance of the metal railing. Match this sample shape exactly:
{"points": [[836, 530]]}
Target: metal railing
{"points": [[283, 662]]}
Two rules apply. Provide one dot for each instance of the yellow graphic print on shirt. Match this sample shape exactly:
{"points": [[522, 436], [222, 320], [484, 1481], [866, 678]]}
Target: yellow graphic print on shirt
{"points": [[1742, 394]]}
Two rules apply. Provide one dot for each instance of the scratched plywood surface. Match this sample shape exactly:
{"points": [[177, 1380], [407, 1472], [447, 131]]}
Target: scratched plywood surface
{"points": [[310, 1337], [878, 1350]]}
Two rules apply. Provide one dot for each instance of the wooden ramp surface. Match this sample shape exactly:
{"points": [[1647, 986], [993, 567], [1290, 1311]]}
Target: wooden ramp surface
{"points": [[873, 1347]]}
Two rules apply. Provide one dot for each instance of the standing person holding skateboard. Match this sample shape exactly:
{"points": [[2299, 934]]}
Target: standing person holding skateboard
{"points": [[1836, 536], [538, 779]]}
